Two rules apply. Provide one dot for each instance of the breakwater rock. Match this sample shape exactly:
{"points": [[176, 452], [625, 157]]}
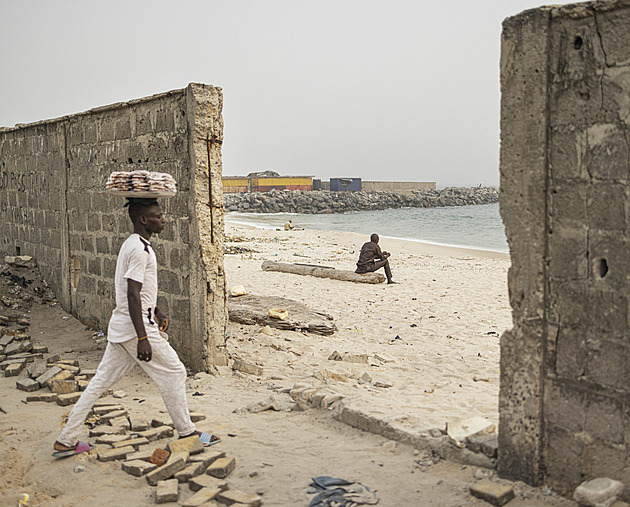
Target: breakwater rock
{"points": [[321, 201]]}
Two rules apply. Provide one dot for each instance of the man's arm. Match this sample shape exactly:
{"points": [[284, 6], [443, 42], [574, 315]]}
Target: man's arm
{"points": [[135, 312]]}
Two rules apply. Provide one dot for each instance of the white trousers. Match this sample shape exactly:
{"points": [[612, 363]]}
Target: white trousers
{"points": [[165, 368]]}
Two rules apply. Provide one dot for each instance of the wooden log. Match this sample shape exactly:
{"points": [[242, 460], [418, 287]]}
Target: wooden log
{"points": [[250, 309], [323, 272]]}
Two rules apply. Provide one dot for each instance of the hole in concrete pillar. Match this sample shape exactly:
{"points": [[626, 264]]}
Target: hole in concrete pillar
{"points": [[600, 267], [17, 250], [75, 271], [577, 43]]}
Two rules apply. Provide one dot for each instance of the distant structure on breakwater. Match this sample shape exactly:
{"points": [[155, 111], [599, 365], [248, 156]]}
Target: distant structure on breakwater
{"points": [[269, 180]]}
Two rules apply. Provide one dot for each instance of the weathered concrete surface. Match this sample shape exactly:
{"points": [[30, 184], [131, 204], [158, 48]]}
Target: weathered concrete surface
{"points": [[250, 309], [565, 201], [53, 206]]}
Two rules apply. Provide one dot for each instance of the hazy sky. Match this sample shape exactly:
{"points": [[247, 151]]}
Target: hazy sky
{"points": [[395, 90]]}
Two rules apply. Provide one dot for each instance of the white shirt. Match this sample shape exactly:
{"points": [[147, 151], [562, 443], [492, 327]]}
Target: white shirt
{"points": [[136, 261]]}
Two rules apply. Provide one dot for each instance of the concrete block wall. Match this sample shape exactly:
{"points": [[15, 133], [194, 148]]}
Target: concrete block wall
{"points": [[53, 206], [565, 200]]}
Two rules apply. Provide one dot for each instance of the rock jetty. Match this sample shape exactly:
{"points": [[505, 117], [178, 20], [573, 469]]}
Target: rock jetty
{"points": [[320, 201]]}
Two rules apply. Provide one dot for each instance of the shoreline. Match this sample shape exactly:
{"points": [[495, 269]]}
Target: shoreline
{"points": [[409, 245]]}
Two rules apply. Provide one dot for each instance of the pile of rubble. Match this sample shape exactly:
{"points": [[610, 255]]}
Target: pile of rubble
{"points": [[135, 442]]}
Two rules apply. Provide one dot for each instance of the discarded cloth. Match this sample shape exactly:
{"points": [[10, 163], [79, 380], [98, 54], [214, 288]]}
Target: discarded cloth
{"points": [[333, 492]]}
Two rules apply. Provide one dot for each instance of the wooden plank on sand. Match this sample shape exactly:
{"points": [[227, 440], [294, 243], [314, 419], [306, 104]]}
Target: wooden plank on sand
{"points": [[323, 272]]}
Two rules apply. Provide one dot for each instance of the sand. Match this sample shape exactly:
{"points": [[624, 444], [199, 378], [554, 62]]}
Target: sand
{"points": [[447, 311]]}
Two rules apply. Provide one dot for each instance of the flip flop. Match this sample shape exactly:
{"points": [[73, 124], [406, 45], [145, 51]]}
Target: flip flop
{"points": [[206, 439], [79, 449]]}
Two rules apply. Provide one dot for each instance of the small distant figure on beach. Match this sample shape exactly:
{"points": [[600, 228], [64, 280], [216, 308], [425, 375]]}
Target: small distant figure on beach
{"points": [[288, 225], [372, 258]]}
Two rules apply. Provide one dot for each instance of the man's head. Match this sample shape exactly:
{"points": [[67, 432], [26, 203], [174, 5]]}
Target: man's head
{"points": [[374, 238], [147, 213]]}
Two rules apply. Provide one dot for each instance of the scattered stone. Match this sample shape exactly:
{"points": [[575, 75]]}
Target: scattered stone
{"points": [[72, 369], [197, 416], [48, 375], [487, 444], [64, 400], [27, 384], [119, 394], [383, 385], [142, 455], [134, 442], [201, 497], [157, 423], [138, 467], [62, 375], [107, 430], [8, 362], [88, 373], [35, 370], [222, 467], [39, 349], [105, 409], [266, 330], [113, 415], [111, 439], [53, 359], [269, 403], [18, 347], [192, 470], [13, 370], [206, 481], [167, 491], [165, 471], [82, 385], [71, 362], [63, 386], [120, 421], [247, 367], [207, 457], [47, 397], [177, 455], [78, 469], [191, 444], [159, 457], [157, 433], [116, 454], [383, 359], [138, 424], [600, 492], [492, 492], [6, 339], [234, 496], [365, 378]]}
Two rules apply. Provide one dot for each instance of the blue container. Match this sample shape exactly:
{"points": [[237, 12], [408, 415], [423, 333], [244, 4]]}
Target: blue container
{"points": [[345, 184]]}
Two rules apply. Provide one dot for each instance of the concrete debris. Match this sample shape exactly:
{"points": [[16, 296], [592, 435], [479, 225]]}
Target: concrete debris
{"points": [[247, 367], [600, 492], [222, 467], [167, 491], [492, 492], [461, 429], [138, 467]]}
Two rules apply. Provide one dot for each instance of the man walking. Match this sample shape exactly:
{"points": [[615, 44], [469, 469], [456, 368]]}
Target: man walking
{"points": [[134, 334], [372, 258]]}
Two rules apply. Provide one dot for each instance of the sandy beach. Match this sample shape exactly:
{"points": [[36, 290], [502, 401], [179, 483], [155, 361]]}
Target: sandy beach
{"points": [[436, 335], [438, 327]]}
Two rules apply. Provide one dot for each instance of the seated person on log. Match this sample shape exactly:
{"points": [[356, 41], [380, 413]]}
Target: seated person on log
{"points": [[372, 258]]}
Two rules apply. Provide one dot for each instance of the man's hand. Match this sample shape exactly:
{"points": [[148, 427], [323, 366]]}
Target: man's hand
{"points": [[162, 319], [144, 350]]}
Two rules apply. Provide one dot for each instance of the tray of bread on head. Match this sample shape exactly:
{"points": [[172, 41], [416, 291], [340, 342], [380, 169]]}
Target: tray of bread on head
{"points": [[141, 184]]}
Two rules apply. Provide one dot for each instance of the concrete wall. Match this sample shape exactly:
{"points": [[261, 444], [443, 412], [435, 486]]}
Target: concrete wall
{"points": [[53, 206], [565, 201], [402, 187]]}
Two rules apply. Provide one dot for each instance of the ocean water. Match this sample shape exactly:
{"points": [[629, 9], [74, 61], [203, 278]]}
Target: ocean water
{"points": [[477, 226]]}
